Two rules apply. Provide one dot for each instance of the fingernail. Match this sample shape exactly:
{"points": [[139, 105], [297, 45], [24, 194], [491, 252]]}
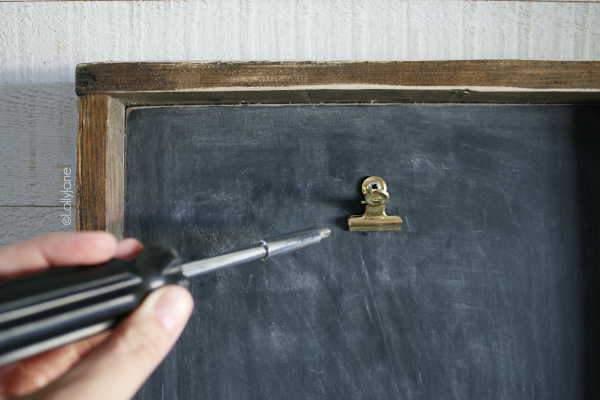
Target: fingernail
{"points": [[173, 309]]}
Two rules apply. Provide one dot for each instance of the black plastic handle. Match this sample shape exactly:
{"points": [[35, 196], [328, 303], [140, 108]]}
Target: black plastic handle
{"points": [[42, 311]]}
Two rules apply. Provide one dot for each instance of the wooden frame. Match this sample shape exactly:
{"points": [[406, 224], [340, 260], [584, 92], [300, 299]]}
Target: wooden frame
{"points": [[105, 91]]}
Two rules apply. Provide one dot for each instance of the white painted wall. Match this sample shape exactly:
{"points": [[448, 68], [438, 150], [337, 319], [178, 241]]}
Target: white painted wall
{"points": [[41, 43]]}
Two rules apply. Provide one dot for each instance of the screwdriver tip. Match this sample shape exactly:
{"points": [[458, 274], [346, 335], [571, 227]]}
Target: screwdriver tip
{"points": [[324, 232]]}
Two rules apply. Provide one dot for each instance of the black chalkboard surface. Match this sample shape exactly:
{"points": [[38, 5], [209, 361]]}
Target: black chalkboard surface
{"points": [[487, 292]]}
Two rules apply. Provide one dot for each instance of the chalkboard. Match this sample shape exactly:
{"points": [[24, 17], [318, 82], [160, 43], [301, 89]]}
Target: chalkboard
{"points": [[487, 292]]}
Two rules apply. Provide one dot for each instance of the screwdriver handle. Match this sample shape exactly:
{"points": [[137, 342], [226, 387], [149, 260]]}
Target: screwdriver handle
{"points": [[47, 310]]}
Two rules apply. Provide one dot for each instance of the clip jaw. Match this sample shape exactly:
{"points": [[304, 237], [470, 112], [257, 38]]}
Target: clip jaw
{"points": [[374, 218]]}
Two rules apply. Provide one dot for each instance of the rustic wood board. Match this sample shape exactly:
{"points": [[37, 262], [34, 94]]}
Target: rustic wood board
{"points": [[479, 81], [142, 77], [481, 295], [38, 125]]}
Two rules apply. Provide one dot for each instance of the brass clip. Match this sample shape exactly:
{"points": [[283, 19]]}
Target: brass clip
{"points": [[374, 218]]}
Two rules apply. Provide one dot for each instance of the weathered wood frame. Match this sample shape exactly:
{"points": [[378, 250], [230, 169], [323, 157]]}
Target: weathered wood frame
{"points": [[105, 91]]}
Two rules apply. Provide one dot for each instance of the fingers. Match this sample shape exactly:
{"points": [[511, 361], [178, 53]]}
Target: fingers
{"points": [[128, 248], [27, 376], [57, 249], [120, 365]]}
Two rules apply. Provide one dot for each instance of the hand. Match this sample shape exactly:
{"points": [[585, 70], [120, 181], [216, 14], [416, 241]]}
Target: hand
{"points": [[110, 365]]}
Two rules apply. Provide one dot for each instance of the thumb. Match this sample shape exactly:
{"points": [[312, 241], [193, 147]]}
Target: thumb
{"points": [[119, 366]]}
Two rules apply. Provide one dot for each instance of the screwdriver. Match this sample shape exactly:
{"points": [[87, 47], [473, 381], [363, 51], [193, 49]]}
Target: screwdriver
{"points": [[43, 311]]}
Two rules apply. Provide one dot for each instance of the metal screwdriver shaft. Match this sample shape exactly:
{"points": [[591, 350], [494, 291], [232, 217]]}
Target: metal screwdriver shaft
{"points": [[263, 250]]}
